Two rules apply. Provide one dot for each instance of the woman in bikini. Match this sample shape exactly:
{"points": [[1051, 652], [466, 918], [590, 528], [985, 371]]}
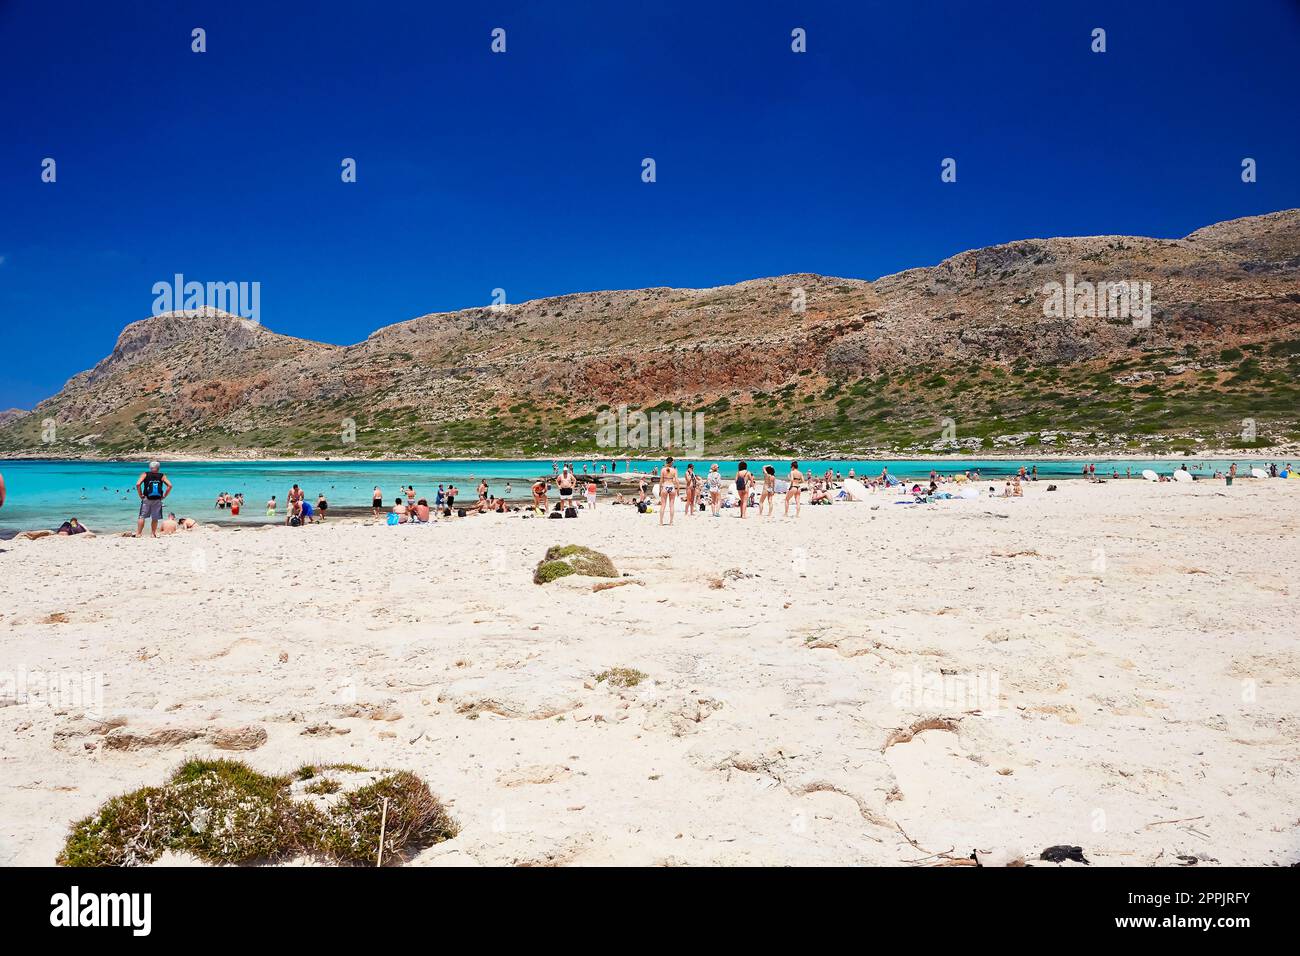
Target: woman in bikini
{"points": [[714, 484], [667, 491], [769, 490], [744, 481], [796, 487], [692, 489]]}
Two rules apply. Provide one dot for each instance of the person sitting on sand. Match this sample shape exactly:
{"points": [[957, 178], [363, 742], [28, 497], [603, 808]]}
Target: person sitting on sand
{"points": [[619, 499], [187, 524], [73, 526], [399, 509], [169, 525], [422, 511], [1016, 490]]}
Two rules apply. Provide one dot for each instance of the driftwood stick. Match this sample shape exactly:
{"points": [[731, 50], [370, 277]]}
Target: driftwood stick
{"points": [[383, 825]]}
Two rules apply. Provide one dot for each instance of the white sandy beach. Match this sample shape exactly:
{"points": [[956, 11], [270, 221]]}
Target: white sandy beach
{"points": [[1141, 640]]}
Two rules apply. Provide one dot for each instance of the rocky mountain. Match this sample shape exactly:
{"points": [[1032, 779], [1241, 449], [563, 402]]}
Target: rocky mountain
{"points": [[11, 414], [1009, 347]]}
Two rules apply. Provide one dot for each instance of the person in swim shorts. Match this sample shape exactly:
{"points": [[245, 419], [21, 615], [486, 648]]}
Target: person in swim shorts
{"points": [[153, 487]]}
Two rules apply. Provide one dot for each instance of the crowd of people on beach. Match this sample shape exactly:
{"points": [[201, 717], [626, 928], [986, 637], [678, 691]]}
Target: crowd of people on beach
{"points": [[663, 490]]}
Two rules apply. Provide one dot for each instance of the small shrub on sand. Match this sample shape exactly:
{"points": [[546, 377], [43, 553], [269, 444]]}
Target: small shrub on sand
{"points": [[350, 828], [563, 560], [621, 677], [224, 812]]}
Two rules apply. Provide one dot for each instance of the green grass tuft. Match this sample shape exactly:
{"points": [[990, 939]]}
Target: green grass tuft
{"points": [[224, 812]]}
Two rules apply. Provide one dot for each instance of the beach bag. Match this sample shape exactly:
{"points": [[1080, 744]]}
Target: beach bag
{"points": [[392, 519], [641, 507], [295, 521], [570, 512]]}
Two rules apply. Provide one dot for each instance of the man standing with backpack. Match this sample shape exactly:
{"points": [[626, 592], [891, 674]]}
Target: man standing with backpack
{"points": [[152, 487]]}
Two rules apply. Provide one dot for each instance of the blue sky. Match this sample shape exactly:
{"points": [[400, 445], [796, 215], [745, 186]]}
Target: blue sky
{"points": [[523, 170]]}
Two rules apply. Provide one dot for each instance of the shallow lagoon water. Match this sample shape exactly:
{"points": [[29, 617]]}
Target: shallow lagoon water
{"points": [[101, 494]]}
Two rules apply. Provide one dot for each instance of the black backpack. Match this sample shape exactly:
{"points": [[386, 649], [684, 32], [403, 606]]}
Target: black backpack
{"points": [[153, 485]]}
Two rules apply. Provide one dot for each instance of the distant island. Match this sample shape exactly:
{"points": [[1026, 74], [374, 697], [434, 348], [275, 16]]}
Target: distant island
{"points": [[1018, 349]]}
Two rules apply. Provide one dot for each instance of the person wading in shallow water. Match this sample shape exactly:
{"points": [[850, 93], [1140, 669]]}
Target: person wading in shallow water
{"points": [[153, 487]]}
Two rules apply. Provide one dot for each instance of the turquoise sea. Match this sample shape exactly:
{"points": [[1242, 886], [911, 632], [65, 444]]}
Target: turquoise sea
{"points": [[101, 494]]}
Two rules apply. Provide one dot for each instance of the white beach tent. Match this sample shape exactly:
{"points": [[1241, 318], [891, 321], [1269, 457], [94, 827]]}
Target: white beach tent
{"points": [[1150, 475], [1181, 475], [855, 489], [1258, 473]]}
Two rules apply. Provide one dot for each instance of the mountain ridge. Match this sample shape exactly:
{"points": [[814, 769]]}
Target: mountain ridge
{"points": [[868, 365]]}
